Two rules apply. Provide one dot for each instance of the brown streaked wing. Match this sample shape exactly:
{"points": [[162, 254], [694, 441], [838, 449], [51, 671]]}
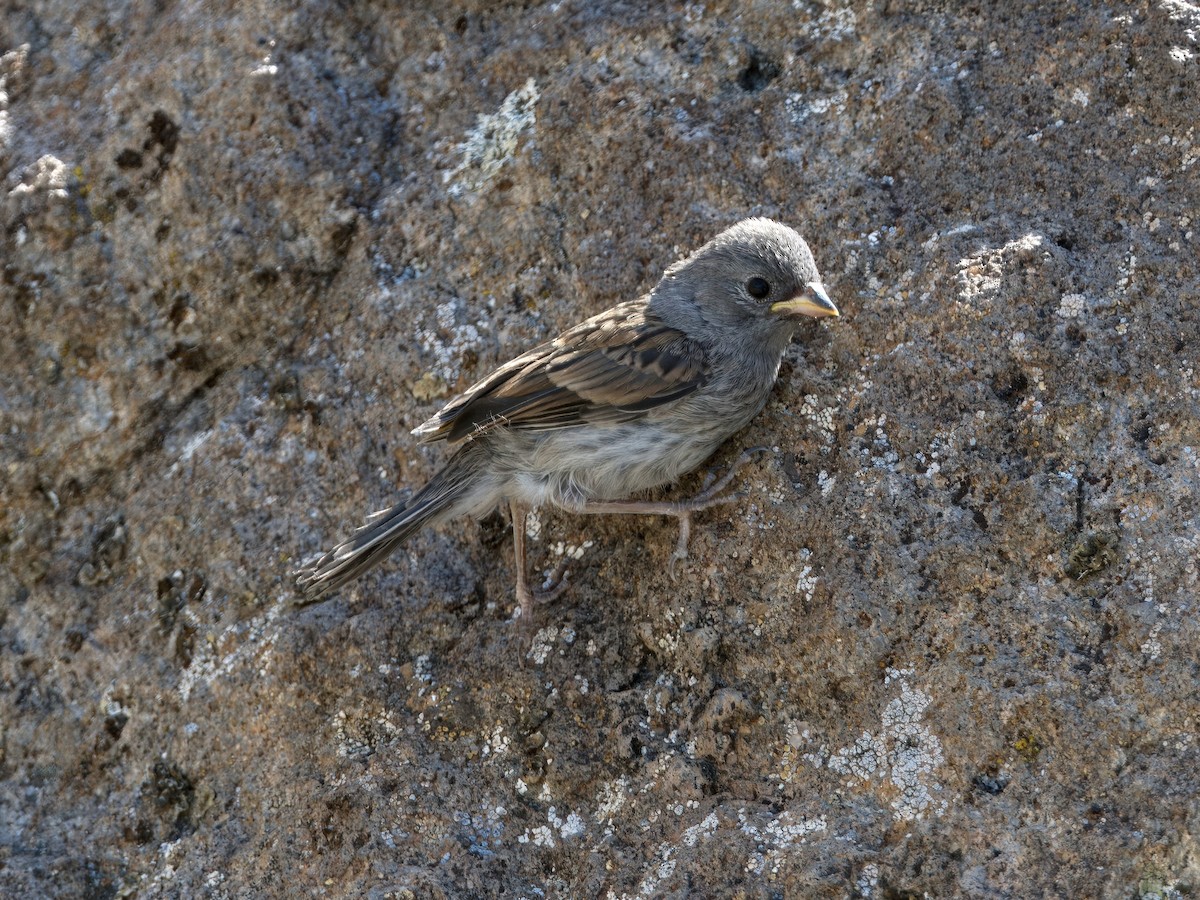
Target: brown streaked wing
{"points": [[612, 368]]}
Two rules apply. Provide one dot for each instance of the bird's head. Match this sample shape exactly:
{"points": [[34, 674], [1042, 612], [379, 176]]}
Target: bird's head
{"points": [[758, 275]]}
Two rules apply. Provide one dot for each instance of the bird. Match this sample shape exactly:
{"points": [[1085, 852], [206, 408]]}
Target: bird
{"points": [[629, 400]]}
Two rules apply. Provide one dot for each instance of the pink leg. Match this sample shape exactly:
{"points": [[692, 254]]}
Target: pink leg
{"points": [[680, 509], [526, 596]]}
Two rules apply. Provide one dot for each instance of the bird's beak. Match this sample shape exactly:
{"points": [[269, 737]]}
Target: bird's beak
{"points": [[812, 301]]}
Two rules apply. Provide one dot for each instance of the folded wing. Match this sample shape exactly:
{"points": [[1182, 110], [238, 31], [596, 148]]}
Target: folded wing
{"points": [[615, 367]]}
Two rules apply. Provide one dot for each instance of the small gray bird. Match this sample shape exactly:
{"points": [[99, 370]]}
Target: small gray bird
{"points": [[632, 398]]}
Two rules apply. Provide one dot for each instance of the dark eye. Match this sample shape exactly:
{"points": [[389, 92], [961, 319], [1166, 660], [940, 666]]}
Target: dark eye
{"points": [[758, 287]]}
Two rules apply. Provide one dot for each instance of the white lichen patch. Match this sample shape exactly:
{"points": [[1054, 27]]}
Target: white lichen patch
{"points": [[559, 827], [1126, 272], [770, 843], [360, 733], [902, 755], [1186, 12], [569, 826], [483, 830], [705, 829], [543, 644], [806, 581], [881, 453], [450, 339], [801, 107], [11, 64], [661, 867], [493, 140], [612, 796], [981, 275], [1152, 647], [774, 839], [570, 551], [820, 416], [49, 175], [347, 745], [1072, 306], [252, 642], [497, 743], [835, 23], [679, 620], [533, 525], [423, 671], [868, 880], [826, 483], [539, 836]]}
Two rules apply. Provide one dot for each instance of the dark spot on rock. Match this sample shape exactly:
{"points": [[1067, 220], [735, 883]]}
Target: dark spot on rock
{"points": [[180, 307], [141, 833], [174, 793], [285, 391], [758, 72], [109, 546], [1096, 551], [342, 234], [493, 530], [171, 785], [74, 640], [164, 133], [175, 591], [161, 144], [193, 359], [185, 645], [990, 784], [1010, 386], [114, 724], [960, 491], [129, 159], [265, 276]]}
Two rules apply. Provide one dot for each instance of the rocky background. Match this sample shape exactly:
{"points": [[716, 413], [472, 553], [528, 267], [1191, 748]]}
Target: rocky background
{"points": [[946, 646]]}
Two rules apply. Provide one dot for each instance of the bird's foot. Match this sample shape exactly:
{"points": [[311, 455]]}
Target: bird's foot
{"points": [[554, 584], [714, 485], [709, 496]]}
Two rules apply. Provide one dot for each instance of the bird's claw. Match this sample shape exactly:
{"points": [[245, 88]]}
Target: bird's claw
{"points": [[675, 558], [681, 545], [554, 585], [714, 485]]}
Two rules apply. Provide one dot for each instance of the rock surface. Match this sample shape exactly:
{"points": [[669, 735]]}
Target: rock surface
{"points": [[946, 646]]}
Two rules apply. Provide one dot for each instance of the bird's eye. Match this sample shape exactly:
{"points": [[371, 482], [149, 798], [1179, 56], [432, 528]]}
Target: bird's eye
{"points": [[758, 287]]}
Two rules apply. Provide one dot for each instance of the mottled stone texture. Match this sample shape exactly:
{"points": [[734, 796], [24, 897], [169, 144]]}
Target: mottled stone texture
{"points": [[945, 646]]}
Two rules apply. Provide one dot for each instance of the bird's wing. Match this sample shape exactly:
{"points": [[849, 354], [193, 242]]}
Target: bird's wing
{"points": [[615, 367]]}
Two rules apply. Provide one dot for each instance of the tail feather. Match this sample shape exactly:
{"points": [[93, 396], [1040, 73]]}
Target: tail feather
{"points": [[387, 529]]}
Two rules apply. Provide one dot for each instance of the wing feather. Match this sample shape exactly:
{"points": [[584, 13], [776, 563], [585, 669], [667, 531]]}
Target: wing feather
{"points": [[613, 368]]}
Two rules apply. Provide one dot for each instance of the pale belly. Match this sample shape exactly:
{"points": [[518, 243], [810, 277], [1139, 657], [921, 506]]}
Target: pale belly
{"points": [[567, 468]]}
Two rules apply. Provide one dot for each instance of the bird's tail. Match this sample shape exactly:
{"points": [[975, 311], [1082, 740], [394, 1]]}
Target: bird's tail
{"points": [[452, 492]]}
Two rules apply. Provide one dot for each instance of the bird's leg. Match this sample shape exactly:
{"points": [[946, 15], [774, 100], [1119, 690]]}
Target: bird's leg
{"points": [[526, 596], [680, 509]]}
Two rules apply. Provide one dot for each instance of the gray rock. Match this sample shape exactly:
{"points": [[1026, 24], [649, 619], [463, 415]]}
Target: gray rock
{"points": [[946, 646]]}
